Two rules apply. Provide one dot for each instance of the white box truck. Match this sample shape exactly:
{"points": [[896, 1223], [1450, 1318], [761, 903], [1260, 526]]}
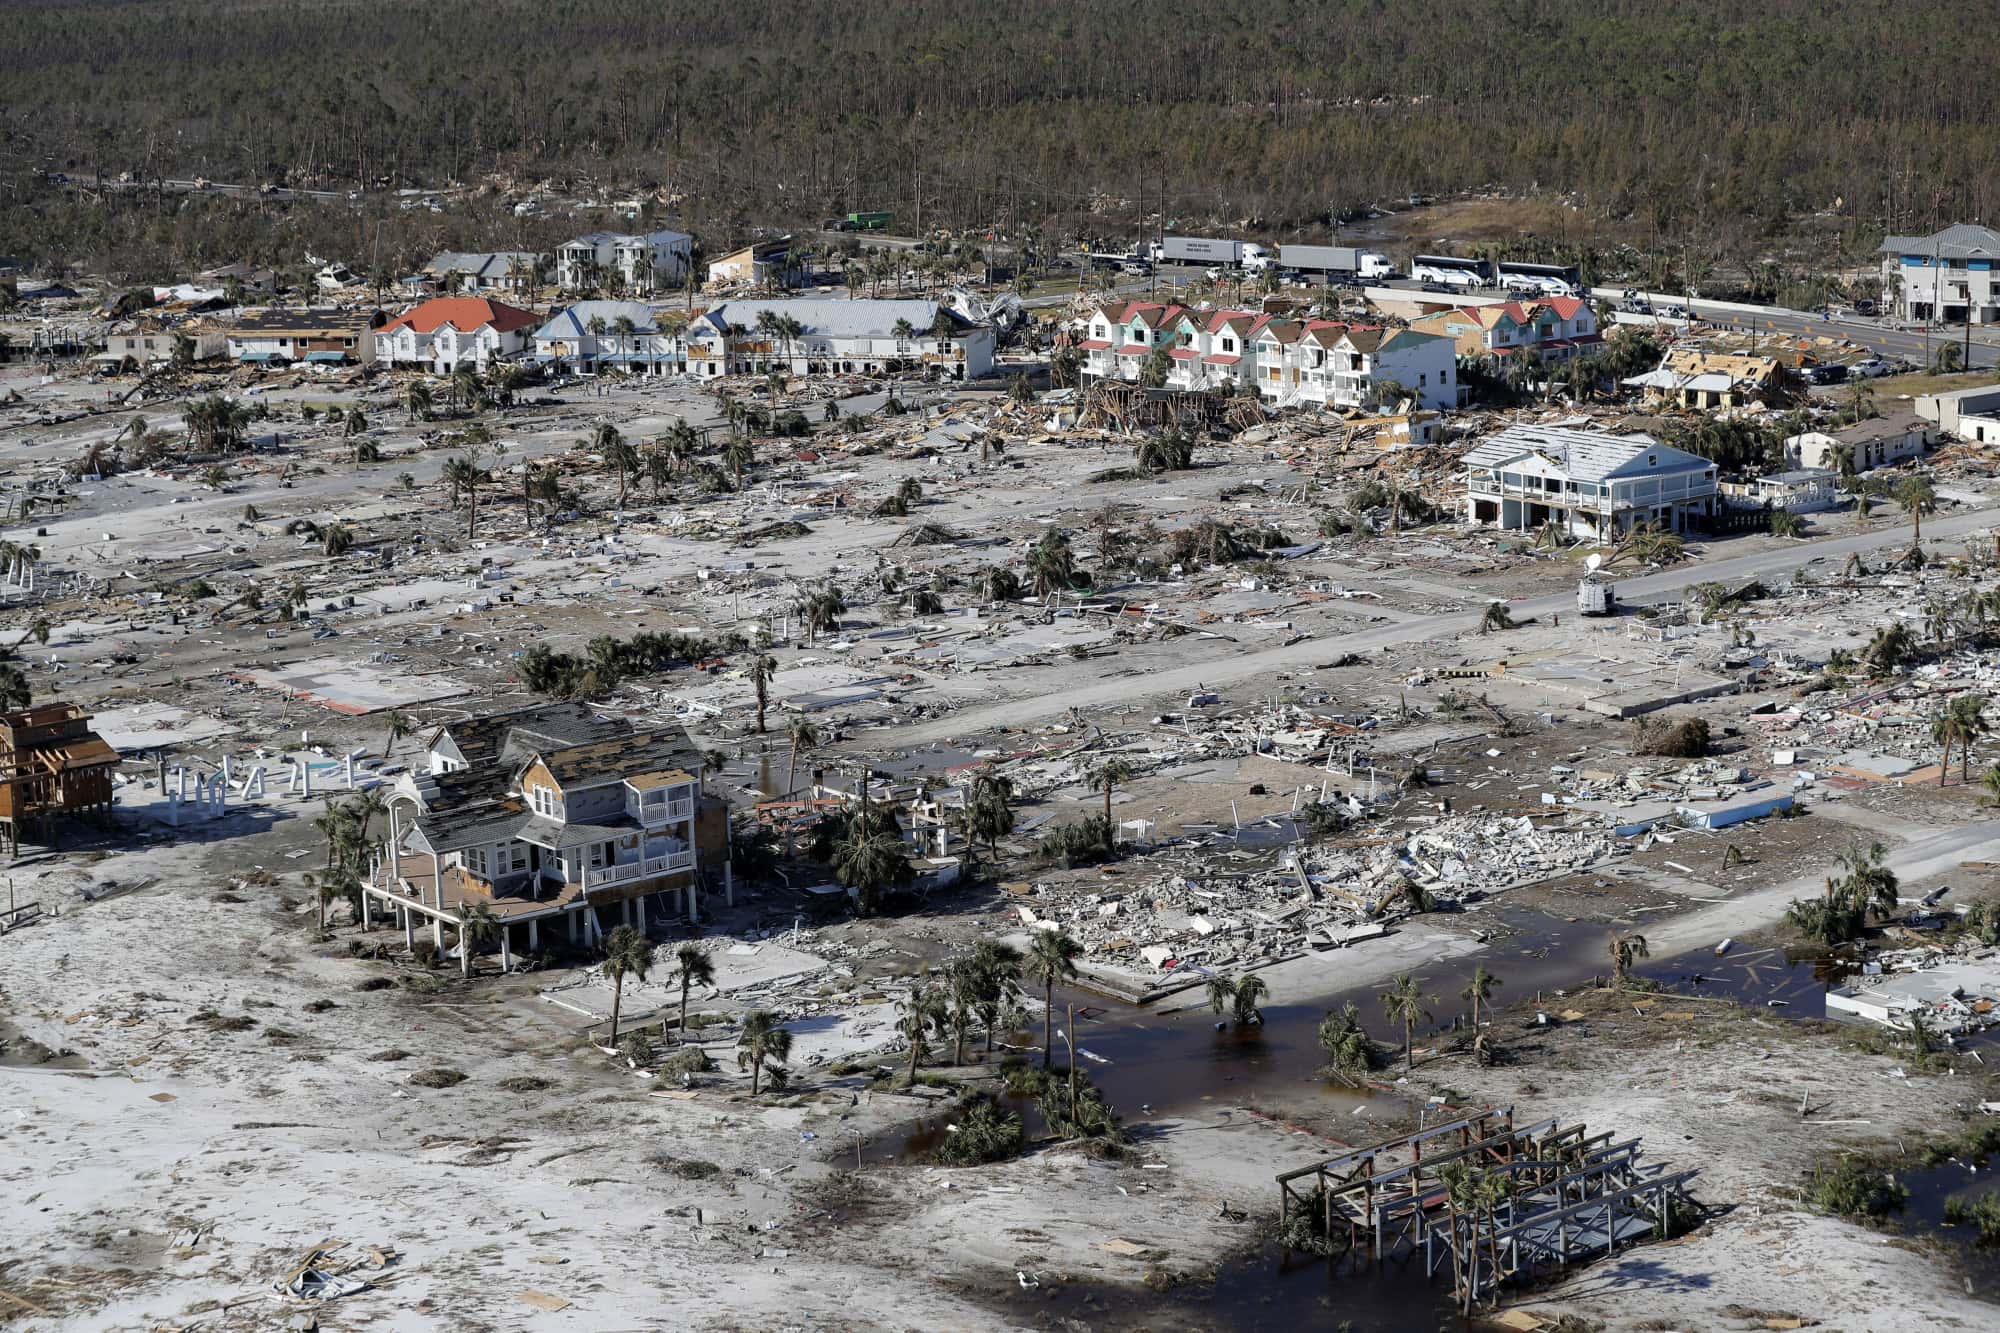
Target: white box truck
{"points": [[1246, 255], [1335, 261]]}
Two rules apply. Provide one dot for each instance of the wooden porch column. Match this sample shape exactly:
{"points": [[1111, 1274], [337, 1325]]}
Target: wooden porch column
{"points": [[534, 937], [506, 949], [409, 928], [639, 913]]}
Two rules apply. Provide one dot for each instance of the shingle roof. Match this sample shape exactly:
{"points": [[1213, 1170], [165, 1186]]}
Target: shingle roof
{"points": [[837, 319], [463, 313], [1963, 240], [277, 320], [501, 737], [1582, 455], [603, 761]]}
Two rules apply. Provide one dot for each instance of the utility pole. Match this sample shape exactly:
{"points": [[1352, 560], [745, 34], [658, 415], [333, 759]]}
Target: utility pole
{"points": [[1069, 1041]]}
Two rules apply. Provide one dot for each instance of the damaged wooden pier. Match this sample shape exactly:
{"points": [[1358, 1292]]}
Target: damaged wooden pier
{"points": [[1494, 1201]]}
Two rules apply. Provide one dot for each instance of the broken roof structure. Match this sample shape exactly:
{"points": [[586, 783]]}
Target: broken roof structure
{"points": [[505, 738]]}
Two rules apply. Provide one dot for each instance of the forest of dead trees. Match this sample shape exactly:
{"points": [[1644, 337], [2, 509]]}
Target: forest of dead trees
{"points": [[1279, 113]]}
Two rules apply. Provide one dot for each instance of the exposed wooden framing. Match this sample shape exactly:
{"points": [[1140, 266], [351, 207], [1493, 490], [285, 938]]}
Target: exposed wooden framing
{"points": [[1569, 1195]]}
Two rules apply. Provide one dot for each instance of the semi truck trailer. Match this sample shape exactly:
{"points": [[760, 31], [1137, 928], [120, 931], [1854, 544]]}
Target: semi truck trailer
{"points": [[1246, 255], [1335, 261]]}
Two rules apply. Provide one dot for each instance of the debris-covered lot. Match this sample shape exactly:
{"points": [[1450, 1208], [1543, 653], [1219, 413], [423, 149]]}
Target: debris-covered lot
{"points": [[1251, 719]]}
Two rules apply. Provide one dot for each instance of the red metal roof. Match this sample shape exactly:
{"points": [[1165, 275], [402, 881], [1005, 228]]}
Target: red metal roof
{"points": [[1094, 344], [1221, 359], [1184, 354], [1134, 349]]}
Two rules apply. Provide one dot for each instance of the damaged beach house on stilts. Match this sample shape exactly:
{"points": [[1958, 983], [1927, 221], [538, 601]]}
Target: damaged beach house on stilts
{"points": [[517, 830]]}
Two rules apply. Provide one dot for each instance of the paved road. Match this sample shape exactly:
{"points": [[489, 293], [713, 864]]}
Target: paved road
{"points": [[1902, 343], [1931, 853], [1256, 666]]}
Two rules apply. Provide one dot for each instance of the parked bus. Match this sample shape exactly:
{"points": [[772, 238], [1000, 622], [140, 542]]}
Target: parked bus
{"points": [[1549, 279], [1451, 271]]}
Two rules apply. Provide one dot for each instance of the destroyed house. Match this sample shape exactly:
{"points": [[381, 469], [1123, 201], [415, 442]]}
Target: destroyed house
{"points": [[1591, 484], [270, 336], [1698, 379], [585, 835], [55, 767], [505, 738]]}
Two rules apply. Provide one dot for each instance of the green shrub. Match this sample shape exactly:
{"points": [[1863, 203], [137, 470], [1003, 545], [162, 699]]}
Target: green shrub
{"points": [[984, 1131], [1856, 1191]]}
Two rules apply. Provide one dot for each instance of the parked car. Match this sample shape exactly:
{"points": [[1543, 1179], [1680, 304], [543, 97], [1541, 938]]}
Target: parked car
{"points": [[1868, 308], [1872, 368], [1138, 268], [1832, 373]]}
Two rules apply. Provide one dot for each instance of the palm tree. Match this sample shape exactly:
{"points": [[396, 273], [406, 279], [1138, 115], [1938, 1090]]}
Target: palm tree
{"points": [[1960, 723], [712, 762], [399, 727], [1916, 497], [1051, 958], [737, 455], [1051, 565], [1000, 585], [870, 857], [1892, 646], [762, 669], [542, 484], [417, 401], [962, 989], [803, 737], [1497, 617], [477, 927], [1105, 778], [1248, 991], [1625, 951], [1478, 990], [336, 539], [692, 967], [918, 1014], [465, 477], [626, 953], [761, 1042], [1221, 992], [659, 465], [465, 387], [988, 810], [1404, 1002], [616, 451], [14, 689], [999, 970], [824, 609], [1990, 786]]}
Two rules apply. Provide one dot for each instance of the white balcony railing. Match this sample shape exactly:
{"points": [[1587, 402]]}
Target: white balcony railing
{"points": [[631, 870], [654, 813]]}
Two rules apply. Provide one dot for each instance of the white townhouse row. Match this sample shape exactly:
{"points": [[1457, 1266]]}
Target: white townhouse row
{"points": [[1290, 362]]}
